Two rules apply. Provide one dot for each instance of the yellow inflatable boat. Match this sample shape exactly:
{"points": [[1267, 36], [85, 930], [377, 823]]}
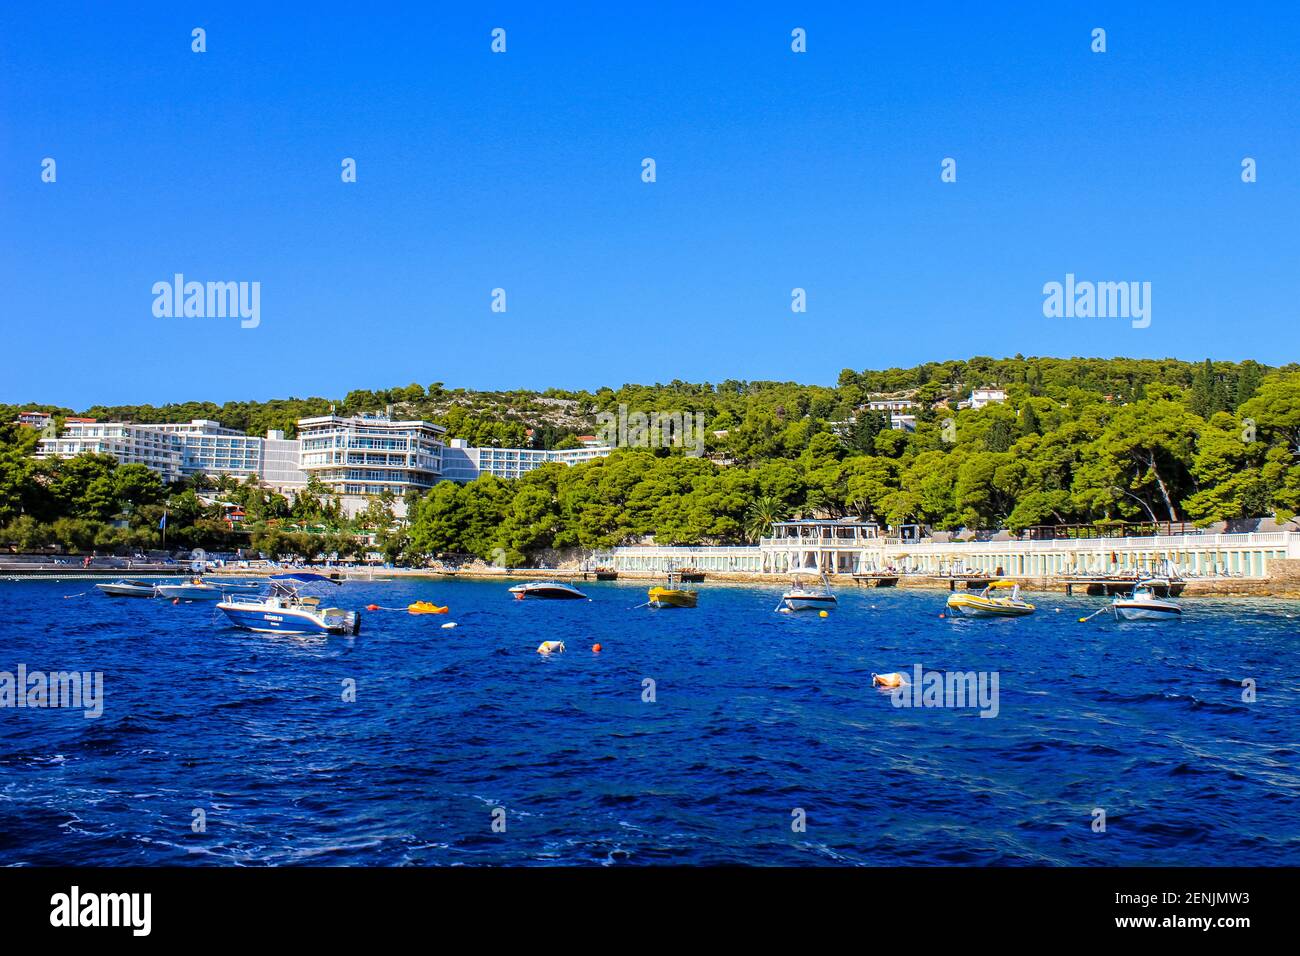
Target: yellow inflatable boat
{"points": [[991, 602], [426, 607]]}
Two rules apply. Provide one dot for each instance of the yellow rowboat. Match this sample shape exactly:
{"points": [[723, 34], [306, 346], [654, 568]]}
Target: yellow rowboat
{"points": [[990, 602], [672, 597]]}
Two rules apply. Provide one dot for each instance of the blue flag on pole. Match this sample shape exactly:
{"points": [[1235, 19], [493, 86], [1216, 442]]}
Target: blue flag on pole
{"points": [[162, 522]]}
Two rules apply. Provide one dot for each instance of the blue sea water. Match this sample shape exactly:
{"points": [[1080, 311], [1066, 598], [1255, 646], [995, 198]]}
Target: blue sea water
{"points": [[755, 714]]}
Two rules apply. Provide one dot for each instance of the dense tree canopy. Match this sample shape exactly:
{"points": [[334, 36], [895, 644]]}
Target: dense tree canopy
{"points": [[1077, 440]]}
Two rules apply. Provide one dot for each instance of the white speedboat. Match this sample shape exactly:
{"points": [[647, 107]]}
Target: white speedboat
{"points": [[290, 607], [802, 597], [1143, 605], [553, 590], [197, 589], [129, 588]]}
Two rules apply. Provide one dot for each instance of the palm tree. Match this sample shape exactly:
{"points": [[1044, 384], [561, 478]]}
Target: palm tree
{"points": [[762, 514]]}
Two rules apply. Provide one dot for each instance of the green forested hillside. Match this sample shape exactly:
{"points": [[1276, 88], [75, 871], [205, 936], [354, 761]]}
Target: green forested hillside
{"points": [[1076, 441]]}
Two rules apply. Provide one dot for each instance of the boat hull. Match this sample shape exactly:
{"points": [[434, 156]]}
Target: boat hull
{"points": [[290, 620], [672, 597], [189, 592], [969, 605], [127, 590], [810, 602], [1146, 611], [547, 592]]}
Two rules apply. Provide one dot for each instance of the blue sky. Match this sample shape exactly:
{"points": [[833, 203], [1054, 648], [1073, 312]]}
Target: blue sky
{"points": [[522, 171]]}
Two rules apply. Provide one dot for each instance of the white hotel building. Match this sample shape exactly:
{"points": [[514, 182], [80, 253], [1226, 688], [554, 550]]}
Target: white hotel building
{"points": [[356, 457], [462, 463], [370, 454], [178, 451]]}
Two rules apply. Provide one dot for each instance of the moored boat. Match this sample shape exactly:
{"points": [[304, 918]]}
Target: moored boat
{"points": [[552, 590], [290, 607], [1143, 605], [129, 588], [197, 589], [802, 597], [671, 595], [990, 602]]}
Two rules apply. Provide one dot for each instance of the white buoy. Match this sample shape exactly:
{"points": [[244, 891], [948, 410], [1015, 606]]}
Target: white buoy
{"points": [[550, 647], [449, 624], [888, 680]]}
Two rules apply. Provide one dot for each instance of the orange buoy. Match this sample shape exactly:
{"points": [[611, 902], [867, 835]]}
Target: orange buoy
{"points": [[595, 648], [372, 607]]}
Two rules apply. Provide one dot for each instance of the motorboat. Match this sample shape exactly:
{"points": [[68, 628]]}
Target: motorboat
{"points": [[129, 588], [1143, 605], [553, 590], [802, 597], [197, 589], [993, 601], [291, 606], [671, 594]]}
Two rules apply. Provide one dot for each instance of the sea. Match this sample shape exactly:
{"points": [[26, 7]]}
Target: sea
{"points": [[727, 734]]}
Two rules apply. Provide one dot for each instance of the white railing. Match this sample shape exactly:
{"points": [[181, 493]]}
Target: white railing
{"points": [[1175, 542]]}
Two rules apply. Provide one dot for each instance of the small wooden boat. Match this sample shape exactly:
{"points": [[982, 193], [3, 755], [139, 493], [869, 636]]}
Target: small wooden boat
{"points": [[129, 588], [1142, 605], [990, 602], [671, 594], [551, 590]]}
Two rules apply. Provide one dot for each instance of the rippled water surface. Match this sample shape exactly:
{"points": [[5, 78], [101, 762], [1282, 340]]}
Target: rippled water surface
{"points": [[755, 714]]}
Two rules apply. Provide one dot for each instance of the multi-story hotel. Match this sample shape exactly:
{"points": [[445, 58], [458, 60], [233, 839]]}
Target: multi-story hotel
{"points": [[177, 450], [356, 457], [370, 454], [463, 463], [129, 444]]}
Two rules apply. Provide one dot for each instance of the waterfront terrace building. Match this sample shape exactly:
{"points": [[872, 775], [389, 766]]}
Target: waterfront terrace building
{"points": [[369, 454], [833, 546]]}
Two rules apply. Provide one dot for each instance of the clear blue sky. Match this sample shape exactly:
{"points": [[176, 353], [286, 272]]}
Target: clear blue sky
{"points": [[522, 171]]}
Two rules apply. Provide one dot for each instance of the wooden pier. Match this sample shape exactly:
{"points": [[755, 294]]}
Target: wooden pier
{"points": [[1110, 584], [968, 581]]}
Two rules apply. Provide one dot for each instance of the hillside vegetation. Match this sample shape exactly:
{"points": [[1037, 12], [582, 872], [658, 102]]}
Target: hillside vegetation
{"points": [[1076, 441]]}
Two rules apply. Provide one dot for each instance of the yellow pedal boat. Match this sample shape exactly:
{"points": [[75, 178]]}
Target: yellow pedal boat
{"points": [[990, 602]]}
